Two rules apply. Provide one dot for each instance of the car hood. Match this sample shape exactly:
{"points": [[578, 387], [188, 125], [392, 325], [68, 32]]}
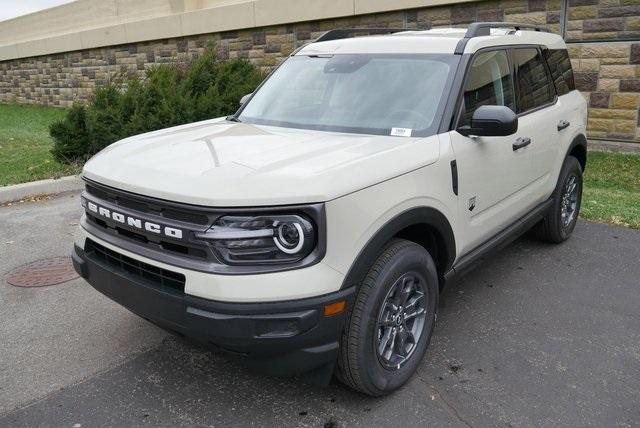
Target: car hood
{"points": [[224, 164]]}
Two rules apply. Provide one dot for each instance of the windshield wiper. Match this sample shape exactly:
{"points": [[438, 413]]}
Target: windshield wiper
{"points": [[233, 119]]}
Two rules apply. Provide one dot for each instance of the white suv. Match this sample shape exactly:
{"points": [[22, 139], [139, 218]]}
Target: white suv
{"points": [[312, 231]]}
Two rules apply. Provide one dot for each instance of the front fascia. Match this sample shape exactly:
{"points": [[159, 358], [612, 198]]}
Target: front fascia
{"points": [[315, 280], [109, 211]]}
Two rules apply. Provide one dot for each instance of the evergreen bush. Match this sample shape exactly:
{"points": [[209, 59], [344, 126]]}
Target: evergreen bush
{"points": [[167, 95]]}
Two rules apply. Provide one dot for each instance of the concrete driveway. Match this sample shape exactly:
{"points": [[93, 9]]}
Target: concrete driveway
{"points": [[539, 335]]}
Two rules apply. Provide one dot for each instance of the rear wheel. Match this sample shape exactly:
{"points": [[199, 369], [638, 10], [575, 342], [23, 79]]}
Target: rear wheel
{"points": [[390, 325], [562, 217]]}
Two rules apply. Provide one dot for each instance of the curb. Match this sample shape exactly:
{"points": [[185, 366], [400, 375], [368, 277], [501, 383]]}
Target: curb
{"points": [[614, 146], [21, 191]]}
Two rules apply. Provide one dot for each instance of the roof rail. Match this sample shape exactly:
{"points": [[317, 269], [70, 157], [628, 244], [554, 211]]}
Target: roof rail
{"points": [[344, 33], [478, 29]]}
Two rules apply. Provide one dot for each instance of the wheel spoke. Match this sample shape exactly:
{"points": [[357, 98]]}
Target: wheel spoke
{"points": [[408, 285], [414, 300], [391, 347], [382, 344], [386, 322], [414, 314], [391, 305], [397, 297], [401, 347]]}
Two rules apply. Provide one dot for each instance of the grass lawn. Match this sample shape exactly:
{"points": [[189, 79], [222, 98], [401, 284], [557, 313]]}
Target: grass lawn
{"points": [[25, 144], [612, 189]]}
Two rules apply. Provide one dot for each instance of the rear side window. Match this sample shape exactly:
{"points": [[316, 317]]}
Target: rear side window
{"points": [[488, 82], [534, 84], [561, 71]]}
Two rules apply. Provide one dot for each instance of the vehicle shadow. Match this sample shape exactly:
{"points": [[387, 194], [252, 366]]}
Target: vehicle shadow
{"points": [[183, 382]]}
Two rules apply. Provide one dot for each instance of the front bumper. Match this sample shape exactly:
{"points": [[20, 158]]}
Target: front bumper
{"points": [[279, 338]]}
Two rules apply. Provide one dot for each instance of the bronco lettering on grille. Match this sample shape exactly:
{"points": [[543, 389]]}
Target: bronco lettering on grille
{"points": [[132, 222]]}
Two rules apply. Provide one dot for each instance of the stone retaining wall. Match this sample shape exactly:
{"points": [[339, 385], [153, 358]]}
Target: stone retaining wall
{"points": [[607, 69]]}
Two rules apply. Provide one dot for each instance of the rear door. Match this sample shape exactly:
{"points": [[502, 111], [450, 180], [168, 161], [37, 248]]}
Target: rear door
{"points": [[539, 114], [568, 119], [493, 177]]}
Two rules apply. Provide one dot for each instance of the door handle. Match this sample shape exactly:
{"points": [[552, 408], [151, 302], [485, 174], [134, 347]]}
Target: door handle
{"points": [[521, 142], [563, 124]]}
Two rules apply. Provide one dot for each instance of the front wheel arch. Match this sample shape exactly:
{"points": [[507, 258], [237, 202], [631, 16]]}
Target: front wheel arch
{"points": [[407, 225]]}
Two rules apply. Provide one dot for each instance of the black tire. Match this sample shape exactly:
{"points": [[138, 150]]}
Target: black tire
{"points": [[553, 227], [360, 364]]}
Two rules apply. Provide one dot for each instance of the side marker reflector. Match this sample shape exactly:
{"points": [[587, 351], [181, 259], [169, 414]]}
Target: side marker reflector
{"points": [[335, 308]]}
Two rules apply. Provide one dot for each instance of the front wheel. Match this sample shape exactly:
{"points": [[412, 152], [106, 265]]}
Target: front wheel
{"points": [[562, 217], [390, 326]]}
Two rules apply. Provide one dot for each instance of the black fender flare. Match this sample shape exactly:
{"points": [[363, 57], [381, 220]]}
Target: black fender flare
{"points": [[579, 140], [413, 216]]}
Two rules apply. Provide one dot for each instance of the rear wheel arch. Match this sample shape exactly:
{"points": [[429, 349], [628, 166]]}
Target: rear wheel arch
{"points": [[426, 226], [578, 149]]}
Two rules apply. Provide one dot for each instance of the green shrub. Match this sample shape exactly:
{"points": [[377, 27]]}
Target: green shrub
{"points": [[168, 95]]}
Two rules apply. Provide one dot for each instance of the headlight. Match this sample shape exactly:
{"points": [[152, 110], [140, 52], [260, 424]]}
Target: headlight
{"points": [[264, 239]]}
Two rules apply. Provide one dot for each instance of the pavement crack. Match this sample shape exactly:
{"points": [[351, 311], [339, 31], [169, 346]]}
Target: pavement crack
{"points": [[447, 405]]}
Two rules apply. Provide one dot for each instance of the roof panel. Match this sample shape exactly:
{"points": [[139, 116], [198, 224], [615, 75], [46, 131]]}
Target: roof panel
{"points": [[398, 43]]}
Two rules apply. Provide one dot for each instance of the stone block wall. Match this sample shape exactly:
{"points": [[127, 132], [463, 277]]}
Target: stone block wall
{"points": [[609, 76], [606, 57], [603, 20]]}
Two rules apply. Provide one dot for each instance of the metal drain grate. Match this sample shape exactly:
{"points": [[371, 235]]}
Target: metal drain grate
{"points": [[43, 272]]}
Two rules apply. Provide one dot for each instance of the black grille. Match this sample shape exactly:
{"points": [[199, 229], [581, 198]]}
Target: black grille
{"points": [[155, 207], [160, 278], [188, 249], [186, 218]]}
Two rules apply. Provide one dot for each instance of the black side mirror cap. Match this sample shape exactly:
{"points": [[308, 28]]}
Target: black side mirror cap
{"points": [[491, 121]]}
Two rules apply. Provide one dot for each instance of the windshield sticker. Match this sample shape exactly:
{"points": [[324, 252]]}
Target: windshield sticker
{"points": [[401, 132]]}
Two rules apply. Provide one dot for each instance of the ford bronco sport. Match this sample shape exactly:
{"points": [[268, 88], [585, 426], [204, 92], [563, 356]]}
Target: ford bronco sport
{"points": [[312, 231]]}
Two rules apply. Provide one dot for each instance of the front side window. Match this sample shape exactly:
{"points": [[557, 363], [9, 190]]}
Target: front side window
{"points": [[362, 93], [561, 71], [534, 85], [488, 82]]}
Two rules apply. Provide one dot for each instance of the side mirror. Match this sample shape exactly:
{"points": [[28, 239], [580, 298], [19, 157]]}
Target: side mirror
{"points": [[491, 121], [244, 99]]}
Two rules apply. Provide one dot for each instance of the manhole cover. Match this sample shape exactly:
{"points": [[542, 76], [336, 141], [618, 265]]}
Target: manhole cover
{"points": [[43, 272]]}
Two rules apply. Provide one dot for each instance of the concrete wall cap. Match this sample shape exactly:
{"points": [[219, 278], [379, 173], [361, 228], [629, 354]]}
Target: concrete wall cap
{"points": [[86, 24]]}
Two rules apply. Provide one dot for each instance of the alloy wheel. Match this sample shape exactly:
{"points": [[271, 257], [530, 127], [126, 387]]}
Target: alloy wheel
{"points": [[401, 321], [569, 202]]}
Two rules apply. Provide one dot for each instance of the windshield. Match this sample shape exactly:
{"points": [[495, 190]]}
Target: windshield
{"points": [[368, 94]]}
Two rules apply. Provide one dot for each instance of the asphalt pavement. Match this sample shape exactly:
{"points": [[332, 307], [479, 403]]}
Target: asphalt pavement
{"points": [[539, 335]]}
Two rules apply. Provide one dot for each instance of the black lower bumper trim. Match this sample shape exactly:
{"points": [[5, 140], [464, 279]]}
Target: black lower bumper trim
{"points": [[280, 338]]}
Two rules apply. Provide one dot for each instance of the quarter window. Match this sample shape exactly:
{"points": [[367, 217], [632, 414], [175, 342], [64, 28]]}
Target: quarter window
{"points": [[489, 82], [561, 72], [534, 85]]}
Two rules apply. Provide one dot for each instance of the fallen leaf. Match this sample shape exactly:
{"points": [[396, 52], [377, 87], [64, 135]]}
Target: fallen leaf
{"points": [[10, 242], [73, 223]]}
